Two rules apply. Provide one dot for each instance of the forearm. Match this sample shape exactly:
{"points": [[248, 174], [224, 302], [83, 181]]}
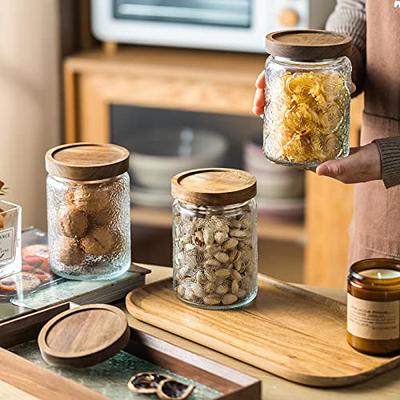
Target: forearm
{"points": [[389, 150], [349, 18]]}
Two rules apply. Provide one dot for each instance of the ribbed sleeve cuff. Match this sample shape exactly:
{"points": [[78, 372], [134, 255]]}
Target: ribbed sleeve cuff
{"points": [[389, 149]]}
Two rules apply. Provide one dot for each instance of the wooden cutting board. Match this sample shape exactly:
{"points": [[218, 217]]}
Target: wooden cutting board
{"points": [[288, 331]]}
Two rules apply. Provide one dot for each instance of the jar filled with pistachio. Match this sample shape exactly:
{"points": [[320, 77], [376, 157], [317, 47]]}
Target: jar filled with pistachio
{"points": [[308, 85], [88, 209], [214, 237]]}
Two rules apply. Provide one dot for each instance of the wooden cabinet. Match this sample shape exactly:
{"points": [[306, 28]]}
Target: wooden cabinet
{"points": [[203, 81], [161, 78]]}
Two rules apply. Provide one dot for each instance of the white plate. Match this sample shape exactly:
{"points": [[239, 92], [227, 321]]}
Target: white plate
{"points": [[151, 198]]}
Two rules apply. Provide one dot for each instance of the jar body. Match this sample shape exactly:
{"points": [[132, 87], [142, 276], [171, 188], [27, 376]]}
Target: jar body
{"points": [[89, 227], [373, 321], [307, 111], [215, 254]]}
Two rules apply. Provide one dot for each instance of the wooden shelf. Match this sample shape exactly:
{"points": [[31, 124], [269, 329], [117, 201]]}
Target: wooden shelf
{"points": [[267, 229]]}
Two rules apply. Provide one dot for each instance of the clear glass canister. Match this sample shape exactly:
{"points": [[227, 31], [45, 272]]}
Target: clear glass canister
{"points": [[88, 209], [308, 87], [215, 238]]}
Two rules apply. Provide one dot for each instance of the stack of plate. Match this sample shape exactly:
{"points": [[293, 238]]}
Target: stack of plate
{"points": [[159, 155], [280, 190]]}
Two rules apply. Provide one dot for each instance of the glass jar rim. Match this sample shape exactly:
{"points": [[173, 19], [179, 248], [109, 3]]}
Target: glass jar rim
{"points": [[207, 208], [91, 182], [355, 275], [323, 61], [12, 207]]}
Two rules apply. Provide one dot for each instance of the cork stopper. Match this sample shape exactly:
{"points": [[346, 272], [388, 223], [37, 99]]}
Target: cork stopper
{"points": [[214, 186]]}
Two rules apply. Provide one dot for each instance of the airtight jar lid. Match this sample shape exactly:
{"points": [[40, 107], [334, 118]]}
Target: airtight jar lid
{"points": [[308, 44], [87, 161], [214, 186], [84, 336]]}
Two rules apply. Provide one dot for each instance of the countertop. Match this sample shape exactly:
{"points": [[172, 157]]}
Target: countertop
{"points": [[386, 386]]}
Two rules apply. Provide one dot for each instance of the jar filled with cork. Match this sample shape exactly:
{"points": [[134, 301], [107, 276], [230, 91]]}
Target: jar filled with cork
{"points": [[88, 210]]}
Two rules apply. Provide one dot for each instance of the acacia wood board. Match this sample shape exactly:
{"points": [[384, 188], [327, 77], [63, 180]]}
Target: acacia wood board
{"points": [[84, 336], [288, 331]]}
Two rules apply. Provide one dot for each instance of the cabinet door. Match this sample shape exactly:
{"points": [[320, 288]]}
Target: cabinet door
{"points": [[329, 207]]}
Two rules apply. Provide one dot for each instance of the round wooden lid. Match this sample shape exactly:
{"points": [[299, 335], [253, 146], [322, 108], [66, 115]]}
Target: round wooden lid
{"points": [[87, 161], [308, 44], [84, 336], [214, 186]]}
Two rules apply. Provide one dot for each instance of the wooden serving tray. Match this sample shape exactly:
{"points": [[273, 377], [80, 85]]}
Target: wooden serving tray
{"points": [[288, 331], [22, 379]]}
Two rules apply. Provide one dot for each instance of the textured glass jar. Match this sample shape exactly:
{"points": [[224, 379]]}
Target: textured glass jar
{"points": [[88, 220], [214, 245], [308, 86]]}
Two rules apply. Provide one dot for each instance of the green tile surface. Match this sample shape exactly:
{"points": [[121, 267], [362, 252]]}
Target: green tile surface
{"points": [[110, 377]]}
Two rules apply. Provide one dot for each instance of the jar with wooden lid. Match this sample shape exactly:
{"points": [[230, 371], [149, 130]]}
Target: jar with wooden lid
{"points": [[373, 306], [214, 237], [308, 86], [88, 210]]}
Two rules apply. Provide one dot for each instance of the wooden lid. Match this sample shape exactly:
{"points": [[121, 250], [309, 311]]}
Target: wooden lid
{"points": [[87, 161], [308, 44], [214, 186], [84, 336]]}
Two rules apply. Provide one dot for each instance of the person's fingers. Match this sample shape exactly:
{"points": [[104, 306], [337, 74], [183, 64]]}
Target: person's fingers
{"points": [[337, 169], [323, 169], [257, 110], [353, 87], [259, 100], [362, 165], [260, 81], [345, 169]]}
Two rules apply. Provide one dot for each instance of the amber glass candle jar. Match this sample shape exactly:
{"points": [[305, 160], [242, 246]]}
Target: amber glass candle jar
{"points": [[373, 296]]}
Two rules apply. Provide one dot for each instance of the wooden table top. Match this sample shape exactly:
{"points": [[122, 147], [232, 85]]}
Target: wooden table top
{"points": [[384, 387]]}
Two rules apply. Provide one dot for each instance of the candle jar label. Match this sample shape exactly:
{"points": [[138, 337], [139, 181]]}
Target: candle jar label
{"points": [[374, 320]]}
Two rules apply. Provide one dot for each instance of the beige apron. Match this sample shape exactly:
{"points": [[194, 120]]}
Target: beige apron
{"points": [[375, 230]]}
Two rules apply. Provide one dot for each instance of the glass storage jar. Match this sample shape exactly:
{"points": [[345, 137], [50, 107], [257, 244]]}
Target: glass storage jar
{"points": [[214, 237], [88, 210], [307, 108], [373, 305]]}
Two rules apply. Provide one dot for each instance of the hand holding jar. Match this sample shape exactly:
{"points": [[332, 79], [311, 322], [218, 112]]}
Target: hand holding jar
{"points": [[362, 165], [307, 87]]}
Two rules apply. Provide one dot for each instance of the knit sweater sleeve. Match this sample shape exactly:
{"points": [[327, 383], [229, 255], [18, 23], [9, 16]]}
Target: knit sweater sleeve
{"points": [[389, 149], [349, 18]]}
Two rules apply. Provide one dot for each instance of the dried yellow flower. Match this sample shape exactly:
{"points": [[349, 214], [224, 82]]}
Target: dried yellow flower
{"points": [[305, 117]]}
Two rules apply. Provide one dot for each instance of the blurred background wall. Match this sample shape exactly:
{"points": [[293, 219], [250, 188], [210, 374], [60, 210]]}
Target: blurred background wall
{"points": [[29, 100]]}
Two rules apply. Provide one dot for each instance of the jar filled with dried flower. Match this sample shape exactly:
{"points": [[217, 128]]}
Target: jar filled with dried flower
{"points": [[308, 85]]}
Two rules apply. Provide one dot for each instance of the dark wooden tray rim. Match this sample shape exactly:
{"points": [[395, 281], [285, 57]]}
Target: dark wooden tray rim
{"points": [[233, 384]]}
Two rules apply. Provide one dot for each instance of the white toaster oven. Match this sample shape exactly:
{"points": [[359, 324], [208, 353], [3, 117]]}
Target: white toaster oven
{"points": [[236, 25]]}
